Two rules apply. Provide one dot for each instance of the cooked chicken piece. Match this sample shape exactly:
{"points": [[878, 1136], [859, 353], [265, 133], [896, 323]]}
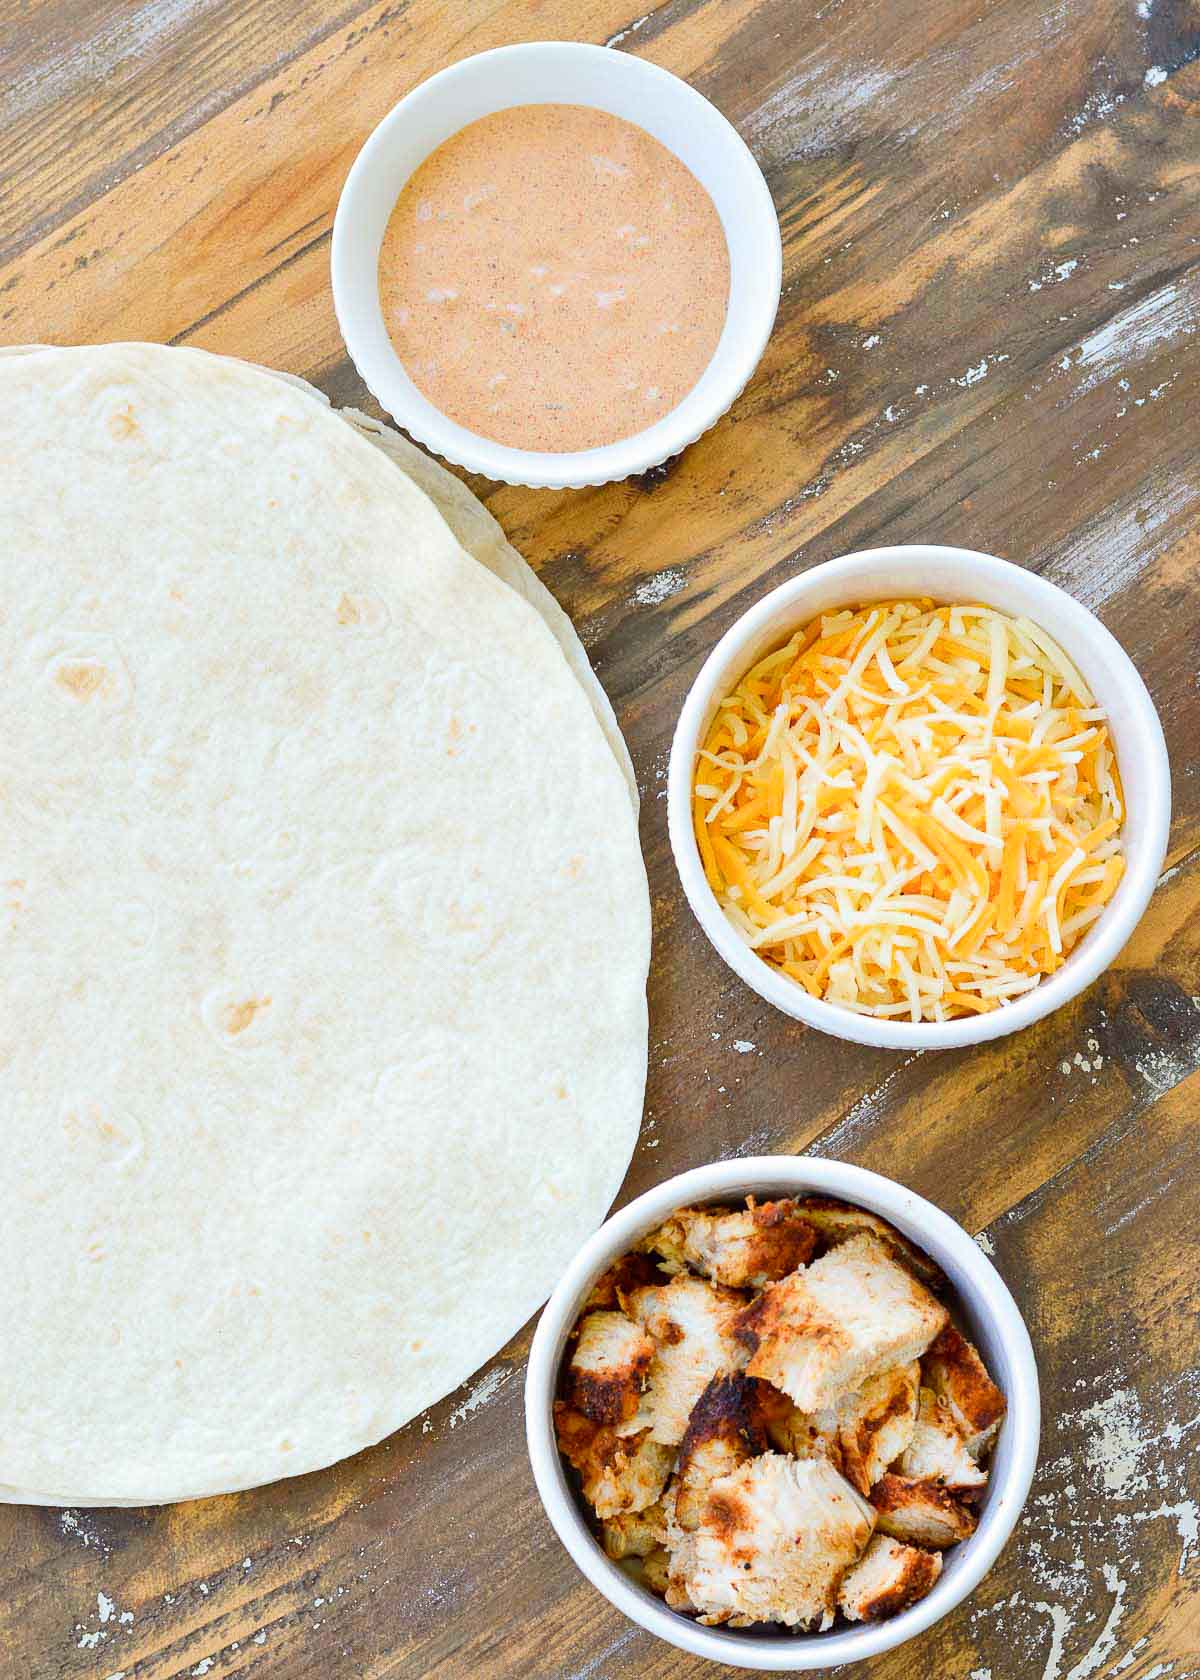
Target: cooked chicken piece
{"points": [[803, 1434], [634, 1533], [860, 1436], [740, 1247], [692, 1325], [835, 1222], [631, 1271], [724, 1430], [608, 1369], [937, 1451], [656, 1570], [851, 1314], [921, 1513], [618, 1472], [953, 1369], [775, 1538], [681, 1559], [876, 1424], [887, 1578]]}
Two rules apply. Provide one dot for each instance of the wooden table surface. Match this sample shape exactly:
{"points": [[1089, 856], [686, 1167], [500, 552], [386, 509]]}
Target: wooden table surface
{"points": [[988, 336]]}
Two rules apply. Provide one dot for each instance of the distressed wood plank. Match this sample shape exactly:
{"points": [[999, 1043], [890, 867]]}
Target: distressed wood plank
{"points": [[988, 335]]}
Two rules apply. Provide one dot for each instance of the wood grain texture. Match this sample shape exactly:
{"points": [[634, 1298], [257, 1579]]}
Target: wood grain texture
{"points": [[989, 335]]}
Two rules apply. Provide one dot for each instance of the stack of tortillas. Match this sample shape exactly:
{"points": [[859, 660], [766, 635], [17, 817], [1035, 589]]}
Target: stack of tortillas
{"points": [[325, 930]]}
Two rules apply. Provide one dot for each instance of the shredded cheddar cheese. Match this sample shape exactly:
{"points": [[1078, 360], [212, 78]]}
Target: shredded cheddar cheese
{"points": [[912, 810]]}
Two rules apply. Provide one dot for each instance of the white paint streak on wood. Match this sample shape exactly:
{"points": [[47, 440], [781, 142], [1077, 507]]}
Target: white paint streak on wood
{"points": [[813, 111], [1159, 321], [594, 1668], [1106, 1640], [1138, 1208], [1060, 1626], [630, 29], [116, 39], [993, 81], [484, 1390], [1109, 552], [859, 1120], [1187, 1524]]}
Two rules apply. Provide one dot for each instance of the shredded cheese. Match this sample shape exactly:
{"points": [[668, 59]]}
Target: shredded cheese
{"points": [[912, 810]]}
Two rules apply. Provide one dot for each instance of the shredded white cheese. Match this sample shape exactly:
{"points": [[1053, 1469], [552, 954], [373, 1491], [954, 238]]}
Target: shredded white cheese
{"points": [[912, 810]]}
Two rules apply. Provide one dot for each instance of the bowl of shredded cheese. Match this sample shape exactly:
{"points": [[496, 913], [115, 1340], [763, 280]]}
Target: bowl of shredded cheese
{"points": [[918, 797]]}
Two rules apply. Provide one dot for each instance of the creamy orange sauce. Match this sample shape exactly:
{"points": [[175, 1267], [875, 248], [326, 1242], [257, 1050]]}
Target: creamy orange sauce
{"points": [[553, 278]]}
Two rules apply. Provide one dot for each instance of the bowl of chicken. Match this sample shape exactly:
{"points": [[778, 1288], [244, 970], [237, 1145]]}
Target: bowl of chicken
{"points": [[782, 1412]]}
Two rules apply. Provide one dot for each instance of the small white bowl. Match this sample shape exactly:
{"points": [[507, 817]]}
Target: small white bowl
{"points": [[947, 575], [988, 1315], [568, 73]]}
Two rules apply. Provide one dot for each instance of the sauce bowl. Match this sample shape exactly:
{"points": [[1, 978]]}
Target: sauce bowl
{"points": [[989, 1318], [569, 73], [947, 575]]}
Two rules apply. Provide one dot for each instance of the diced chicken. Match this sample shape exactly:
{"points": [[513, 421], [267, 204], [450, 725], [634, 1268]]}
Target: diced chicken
{"points": [[608, 1369], [876, 1424], [802, 1434], [921, 1513], [634, 1533], [953, 1369], [937, 1451], [887, 1579], [631, 1271], [775, 1538], [618, 1473], [836, 1222], [691, 1322], [741, 1247], [725, 1429], [681, 1560], [848, 1316], [656, 1570]]}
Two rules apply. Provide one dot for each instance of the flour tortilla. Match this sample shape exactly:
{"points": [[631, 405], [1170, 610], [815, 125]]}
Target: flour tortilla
{"points": [[476, 531], [483, 539], [267, 732]]}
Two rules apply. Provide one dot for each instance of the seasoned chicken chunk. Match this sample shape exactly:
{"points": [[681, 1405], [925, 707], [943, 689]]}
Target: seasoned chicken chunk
{"points": [[937, 1451], [618, 1473], [803, 1434], [656, 1570], [860, 1436], [691, 1322], [851, 1314], [634, 1533], [876, 1423], [836, 1222], [725, 1429], [740, 1247], [775, 1538], [608, 1369], [921, 1513], [954, 1370], [631, 1271], [681, 1559], [887, 1578]]}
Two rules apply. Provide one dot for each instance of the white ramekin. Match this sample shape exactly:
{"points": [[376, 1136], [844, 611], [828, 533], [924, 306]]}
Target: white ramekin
{"points": [[569, 73], [986, 1311], [948, 575]]}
